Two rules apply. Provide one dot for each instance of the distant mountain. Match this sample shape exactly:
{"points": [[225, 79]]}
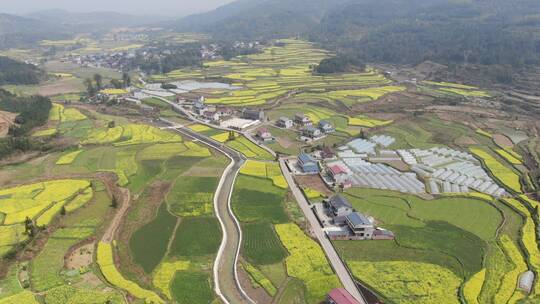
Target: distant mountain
{"points": [[259, 19], [94, 21], [391, 31], [16, 31]]}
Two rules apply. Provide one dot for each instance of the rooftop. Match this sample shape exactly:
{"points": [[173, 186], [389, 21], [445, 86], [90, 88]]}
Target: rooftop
{"points": [[335, 170], [338, 201], [358, 219], [342, 296], [305, 158]]}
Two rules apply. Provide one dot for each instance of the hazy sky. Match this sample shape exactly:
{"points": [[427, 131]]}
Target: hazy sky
{"points": [[160, 7]]}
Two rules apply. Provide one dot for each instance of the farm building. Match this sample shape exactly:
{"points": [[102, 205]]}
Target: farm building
{"points": [[360, 145], [308, 164], [383, 140], [326, 127], [340, 296], [253, 114], [284, 122], [264, 135], [311, 132], [302, 120], [382, 234]]}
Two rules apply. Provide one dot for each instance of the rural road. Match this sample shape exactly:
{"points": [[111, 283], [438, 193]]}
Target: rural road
{"points": [[227, 285], [336, 262]]}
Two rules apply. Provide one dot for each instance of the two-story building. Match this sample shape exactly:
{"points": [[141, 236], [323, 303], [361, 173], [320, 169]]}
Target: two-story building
{"points": [[360, 225], [326, 127], [338, 207], [253, 114], [284, 122], [308, 164], [302, 120], [311, 132], [264, 135]]}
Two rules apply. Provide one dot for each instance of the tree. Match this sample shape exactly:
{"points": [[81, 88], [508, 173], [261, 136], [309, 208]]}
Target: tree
{"points": [[117, 84], [99, 81], [126, 79], [63, 210], [29, 227], [231, 136], [114, 202], [111, 124], [90, 89]]}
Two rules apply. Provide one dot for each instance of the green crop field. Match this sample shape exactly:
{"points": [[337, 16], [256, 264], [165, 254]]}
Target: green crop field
{"points": [[155, 235], [256, 199], [192, 287], [261, 244], [195, 237]]}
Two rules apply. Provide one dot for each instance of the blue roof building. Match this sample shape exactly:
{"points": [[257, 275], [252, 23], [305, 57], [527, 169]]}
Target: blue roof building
{"points": [[308, 164]]}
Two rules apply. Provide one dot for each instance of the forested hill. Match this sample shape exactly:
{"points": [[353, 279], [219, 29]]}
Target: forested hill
{"points": [[15, 72], [394, 31], [18, 31], [259, 19]]}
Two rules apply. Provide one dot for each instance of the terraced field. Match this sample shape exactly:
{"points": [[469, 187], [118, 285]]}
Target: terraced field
{"points": [[280, 70]]}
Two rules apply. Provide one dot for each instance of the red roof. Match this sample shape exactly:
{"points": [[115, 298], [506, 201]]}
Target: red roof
{"points": [[342, 296], [335, 170]]}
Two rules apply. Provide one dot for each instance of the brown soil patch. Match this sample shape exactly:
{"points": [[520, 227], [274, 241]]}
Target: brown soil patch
{"points": [[258, 294], [79, 256], [6, 120], [314, 182], [465, 141], [61, 86], [285, 142], [502, 140]]}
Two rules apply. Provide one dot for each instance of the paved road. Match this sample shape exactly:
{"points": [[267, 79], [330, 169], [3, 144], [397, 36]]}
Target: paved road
{"points": [[227, 285], [333, 257]]}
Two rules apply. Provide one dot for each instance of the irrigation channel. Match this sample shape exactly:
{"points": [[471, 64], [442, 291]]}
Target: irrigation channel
{"points": [[226, 282]]}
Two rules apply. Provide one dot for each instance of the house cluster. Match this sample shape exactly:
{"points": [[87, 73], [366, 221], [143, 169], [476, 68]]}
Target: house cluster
{"points": [[116, 60], [209, 113], [343, 222], [309, 131]]}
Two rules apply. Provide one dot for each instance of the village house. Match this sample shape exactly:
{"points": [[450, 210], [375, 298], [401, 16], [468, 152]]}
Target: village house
{"points": [[311, 132], [360, 225], [284, 122], [302, 120], [253, 114], [338, 174], [340, 296], [264, 135], [326, 127], [211, 115], [224, 111], [308, 164], [327, 153], [338, 207], [198, 106]]}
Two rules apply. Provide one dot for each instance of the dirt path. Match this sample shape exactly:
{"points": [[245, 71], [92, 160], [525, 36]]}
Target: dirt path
{"points": [[125, 199]]}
